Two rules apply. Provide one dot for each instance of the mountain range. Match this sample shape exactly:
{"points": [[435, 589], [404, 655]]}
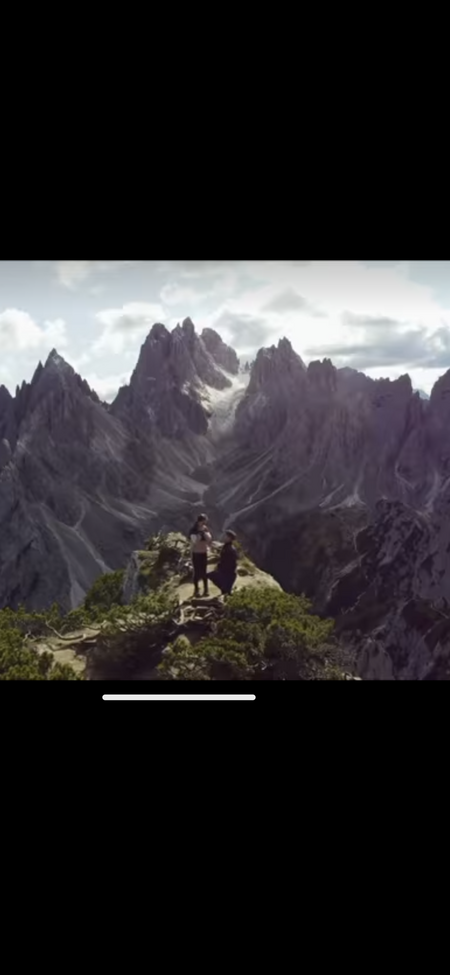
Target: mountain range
{"points": [[337, 484]]}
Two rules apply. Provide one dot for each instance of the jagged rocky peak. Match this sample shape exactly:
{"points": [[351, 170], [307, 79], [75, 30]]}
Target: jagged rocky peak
{"points": [[58, 366], [438, 417], [401, 386], [222, 353], [179, 357], [154, 353], [7, 415], [56, 382], [5, 397], [440, 394], [55, 367], [277, 364], [323, 374], [351, 381], [37, 374], [277, 381], [56, 361], [167, 386], [188, 327], [284, 348], [158, 333]]}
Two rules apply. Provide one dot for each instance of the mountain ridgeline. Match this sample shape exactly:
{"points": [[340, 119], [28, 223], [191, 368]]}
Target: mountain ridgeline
{"points": [[337, 484]]}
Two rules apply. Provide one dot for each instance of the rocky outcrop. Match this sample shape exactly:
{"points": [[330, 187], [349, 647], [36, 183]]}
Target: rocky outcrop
{"points": [[165, 561], [222, 354], [5, 453], [164, 393], [7, 416], [277, 379], [166, 565], [133, 648], [394, 599], [131, 579]]}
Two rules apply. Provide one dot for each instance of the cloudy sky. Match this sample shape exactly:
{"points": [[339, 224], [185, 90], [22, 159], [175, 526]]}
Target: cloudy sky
{"points": [[382, 317]]}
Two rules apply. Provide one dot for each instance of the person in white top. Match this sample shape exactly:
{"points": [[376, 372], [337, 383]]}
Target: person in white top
{"points": [[201, 539]]}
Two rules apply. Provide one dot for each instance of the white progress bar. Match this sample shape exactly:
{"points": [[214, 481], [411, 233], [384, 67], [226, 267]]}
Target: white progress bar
{"points": [[179, 697]]}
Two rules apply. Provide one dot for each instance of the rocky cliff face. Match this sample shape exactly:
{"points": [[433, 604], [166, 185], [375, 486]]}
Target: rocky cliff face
{"points": [[393, 597], [340, 486], [7, 417], [325, 437], [165, 391], [72, 498], [222, 354]]}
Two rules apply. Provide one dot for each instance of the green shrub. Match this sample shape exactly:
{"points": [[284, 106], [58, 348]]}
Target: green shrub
{"points": [[105, 593], [265, 605], [132, 635], [63, 672], [76, 619], [19, 661], [265, 634]]}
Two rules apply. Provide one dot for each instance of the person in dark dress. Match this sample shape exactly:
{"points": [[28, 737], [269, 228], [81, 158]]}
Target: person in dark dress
{"points": [[224, 576]]}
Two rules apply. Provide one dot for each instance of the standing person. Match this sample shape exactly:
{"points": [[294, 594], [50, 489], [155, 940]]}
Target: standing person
{"points": [[224, 576], [200, 542]]}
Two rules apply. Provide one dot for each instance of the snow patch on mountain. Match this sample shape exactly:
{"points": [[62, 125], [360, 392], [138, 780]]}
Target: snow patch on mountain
{"points": [[223, 403]]}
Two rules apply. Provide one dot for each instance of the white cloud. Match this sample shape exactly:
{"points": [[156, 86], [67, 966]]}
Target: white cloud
{"points": [[19, 332], [55, 333], [125, 325], [203, 269], [343, 308], [78, 361], [72, 273], [290, 300], [6, 376], [107, 387], [350, 286], [187, 297], [347, 309], [245, 333]]}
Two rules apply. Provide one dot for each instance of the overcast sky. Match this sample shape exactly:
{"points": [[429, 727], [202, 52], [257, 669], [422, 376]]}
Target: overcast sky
{"points": [[382, 317]]}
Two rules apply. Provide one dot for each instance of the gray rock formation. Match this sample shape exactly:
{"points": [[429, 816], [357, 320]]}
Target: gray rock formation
{"points": [[131, 587], [7, 416], [164, 393], [222, 354], [328, 461], [72, 499], [5, 453]]}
